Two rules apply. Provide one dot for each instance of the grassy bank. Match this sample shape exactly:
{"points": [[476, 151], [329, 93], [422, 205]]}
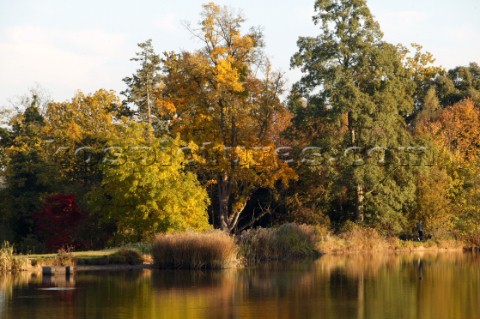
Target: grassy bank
{"points": [[216, 249], [112, 256], [358, 239]]}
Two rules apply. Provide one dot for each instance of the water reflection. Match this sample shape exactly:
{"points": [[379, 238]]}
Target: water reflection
{"points": [[381, 286]]}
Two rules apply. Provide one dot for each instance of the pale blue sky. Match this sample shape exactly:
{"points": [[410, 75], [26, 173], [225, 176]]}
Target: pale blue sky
{"points": [[65, 46]]}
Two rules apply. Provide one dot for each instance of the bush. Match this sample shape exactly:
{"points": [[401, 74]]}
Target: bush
{"points": [[194, 250], [467, 228], [126, 256], [354, 238], [64, 257], [362, 238], [289, 241]]}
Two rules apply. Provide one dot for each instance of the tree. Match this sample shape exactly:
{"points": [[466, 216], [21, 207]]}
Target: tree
{"points": [[456, 128], [421, 70], [459, 83], [454, 132], [144, 189], [27, 175], [142, 86], [357, 92], [76, 132], [59, 221], [430, 106], [216, 101]]}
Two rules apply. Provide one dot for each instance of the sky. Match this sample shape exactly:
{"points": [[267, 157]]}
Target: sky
{"points": [[62, 46]]}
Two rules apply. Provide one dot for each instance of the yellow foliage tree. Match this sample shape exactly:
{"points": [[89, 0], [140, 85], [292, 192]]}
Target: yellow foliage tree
{"points": [[454, 198], [76, 132], [145, 189], [222, 106]]}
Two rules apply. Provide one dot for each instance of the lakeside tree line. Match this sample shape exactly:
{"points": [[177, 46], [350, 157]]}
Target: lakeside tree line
{"points": [[372, 133]]}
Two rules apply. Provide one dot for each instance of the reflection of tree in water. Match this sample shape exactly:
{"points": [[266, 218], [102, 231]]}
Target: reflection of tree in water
{"points": [[181, 279], [376, 286], [332, 287], [8, 282], [389, 284], [275, 279], [193, 294], [244, 293]]}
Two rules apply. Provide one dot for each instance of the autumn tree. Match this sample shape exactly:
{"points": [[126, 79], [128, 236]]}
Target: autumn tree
{"points": [[145, 189], [454, 132], [75, 133], [217, 100], [59, 221], [356, 92]]}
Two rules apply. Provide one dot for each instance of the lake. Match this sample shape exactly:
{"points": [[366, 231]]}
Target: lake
{"points": [[414, 286]]}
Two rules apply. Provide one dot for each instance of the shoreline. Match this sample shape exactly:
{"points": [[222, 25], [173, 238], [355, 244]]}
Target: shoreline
{"points": [[346, 253], [404, 250]]}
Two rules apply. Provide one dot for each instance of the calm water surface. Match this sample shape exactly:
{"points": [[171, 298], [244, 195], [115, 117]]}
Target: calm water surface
{"points": [[415, 286]]}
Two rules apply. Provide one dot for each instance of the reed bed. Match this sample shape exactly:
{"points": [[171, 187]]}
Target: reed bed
{"points": [[194, 250], [10, 262], [288, 241]]}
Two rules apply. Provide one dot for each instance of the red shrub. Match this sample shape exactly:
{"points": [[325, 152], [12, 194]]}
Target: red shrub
{"points": [[59, 221]]}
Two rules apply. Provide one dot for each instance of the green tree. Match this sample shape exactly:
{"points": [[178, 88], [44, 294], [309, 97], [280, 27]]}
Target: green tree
{"points": [[430, 106], [142, 87], [421, 69], [27, 174], [459, 83], [357, 92], [145, 189]]}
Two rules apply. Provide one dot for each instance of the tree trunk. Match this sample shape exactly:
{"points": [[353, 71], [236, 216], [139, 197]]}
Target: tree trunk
{"points": [[359, 211], [227, 217], [223, 201], [360, 215]]}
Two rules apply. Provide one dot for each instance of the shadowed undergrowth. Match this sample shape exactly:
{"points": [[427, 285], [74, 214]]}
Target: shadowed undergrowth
{"points": [[288, 241]]}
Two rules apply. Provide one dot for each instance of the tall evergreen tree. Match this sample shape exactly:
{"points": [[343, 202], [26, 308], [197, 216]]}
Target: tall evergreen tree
{"points": [[142, 86], [357, 93]]}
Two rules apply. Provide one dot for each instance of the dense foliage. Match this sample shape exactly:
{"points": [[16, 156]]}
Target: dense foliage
{"points": [[373, 133], [59, 221]]}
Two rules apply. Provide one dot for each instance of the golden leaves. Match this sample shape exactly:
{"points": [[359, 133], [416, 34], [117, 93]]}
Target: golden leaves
{"points": [[456, 128], [227, 76]]}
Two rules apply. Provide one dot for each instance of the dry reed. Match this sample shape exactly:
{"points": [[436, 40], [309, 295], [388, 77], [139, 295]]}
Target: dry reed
{"points": [[288, 241], [194, 250]]}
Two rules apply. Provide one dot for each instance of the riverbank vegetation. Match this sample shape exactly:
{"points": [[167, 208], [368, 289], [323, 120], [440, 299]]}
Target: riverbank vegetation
{"points": [[215, 249], [10, 263], [194, 250], [374, 141], [286, 242]]}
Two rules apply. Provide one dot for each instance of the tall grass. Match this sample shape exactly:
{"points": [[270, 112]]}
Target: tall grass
{"points": [[289, 241], [194, 250], [355, 238], [9, 262]]}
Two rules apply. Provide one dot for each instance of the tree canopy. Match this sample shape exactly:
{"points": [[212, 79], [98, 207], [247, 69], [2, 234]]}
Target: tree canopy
{"points": [[372, 133]]}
